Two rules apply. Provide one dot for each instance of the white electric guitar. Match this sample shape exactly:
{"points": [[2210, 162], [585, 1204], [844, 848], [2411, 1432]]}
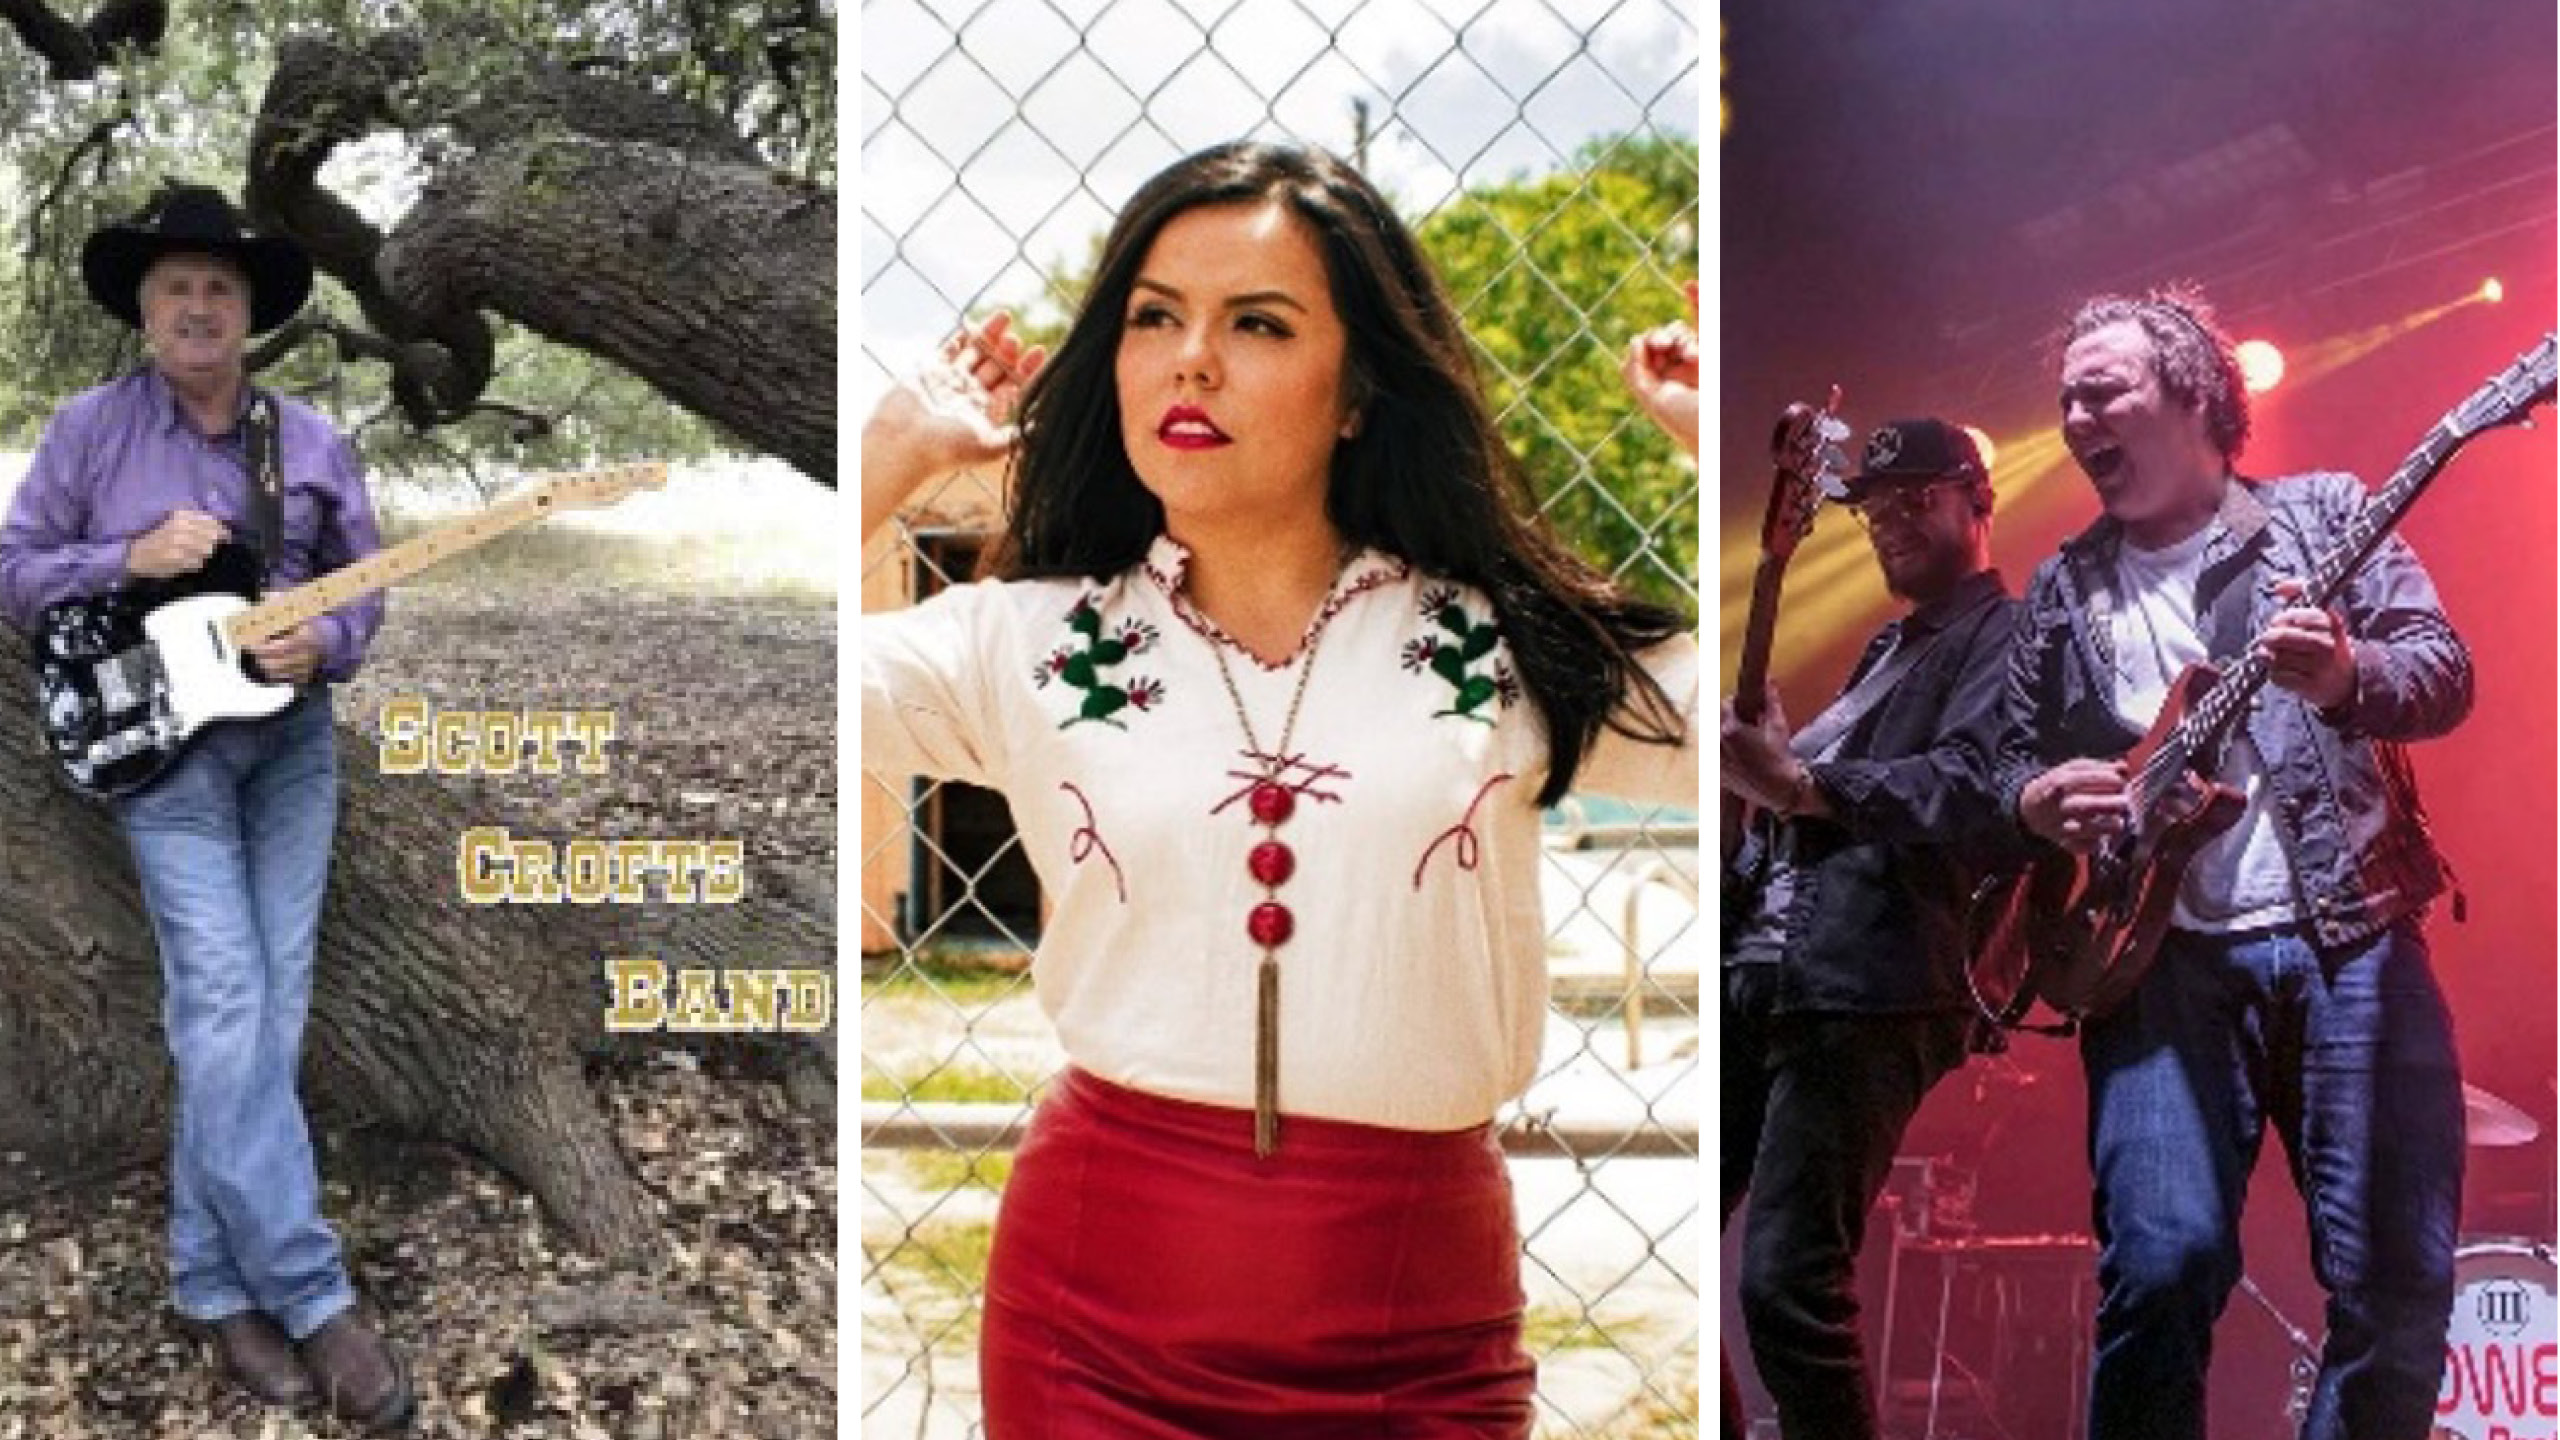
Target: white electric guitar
{"points": [[126, 679]]}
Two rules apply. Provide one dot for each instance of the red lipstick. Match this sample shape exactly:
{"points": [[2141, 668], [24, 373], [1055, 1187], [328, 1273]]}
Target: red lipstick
{"points": [[1188, 427]]}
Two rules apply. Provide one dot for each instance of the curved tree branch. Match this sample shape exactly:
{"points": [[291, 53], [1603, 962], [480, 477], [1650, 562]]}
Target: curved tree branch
{"points": [[79, 52], [598, 213], [355, 344], [321, 96], [99, 141], [715, 282]]}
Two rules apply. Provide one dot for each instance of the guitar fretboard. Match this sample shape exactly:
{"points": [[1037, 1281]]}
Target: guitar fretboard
{"points": [[285, 609]]}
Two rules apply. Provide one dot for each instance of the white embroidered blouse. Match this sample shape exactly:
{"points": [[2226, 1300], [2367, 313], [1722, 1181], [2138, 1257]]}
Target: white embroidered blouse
{"points": [[1413, 986]]}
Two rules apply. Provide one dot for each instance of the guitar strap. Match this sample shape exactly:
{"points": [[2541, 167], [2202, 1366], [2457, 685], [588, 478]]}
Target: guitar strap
{"points": [[2225, 602], [2224, 598], [1821, 737], [266, 478]]}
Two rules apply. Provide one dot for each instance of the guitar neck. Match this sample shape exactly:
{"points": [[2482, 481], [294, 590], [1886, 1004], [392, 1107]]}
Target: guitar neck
{"points": [[285, 609], [1759, 632], [2374, 522]]}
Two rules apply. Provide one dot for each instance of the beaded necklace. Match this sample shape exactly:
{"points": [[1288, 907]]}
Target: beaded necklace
{"points": [[1271, 863]]}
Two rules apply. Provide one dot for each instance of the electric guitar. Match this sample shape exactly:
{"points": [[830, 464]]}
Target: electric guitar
{"points": [[1806, 449], [124, 680], [2079, 933]]}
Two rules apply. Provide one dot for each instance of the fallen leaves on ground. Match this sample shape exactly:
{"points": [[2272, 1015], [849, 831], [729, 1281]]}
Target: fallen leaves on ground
{"points": [[727, 1334]]}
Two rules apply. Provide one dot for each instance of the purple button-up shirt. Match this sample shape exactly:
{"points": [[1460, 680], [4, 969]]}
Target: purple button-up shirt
{"points": [[117, 459]]}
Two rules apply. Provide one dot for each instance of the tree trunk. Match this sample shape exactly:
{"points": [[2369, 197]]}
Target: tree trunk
{"points": [[445, 1019]]}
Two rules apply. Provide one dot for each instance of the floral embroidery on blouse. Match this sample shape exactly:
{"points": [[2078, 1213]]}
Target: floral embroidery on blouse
{"points": [[1096, 648], [1455, 649]]}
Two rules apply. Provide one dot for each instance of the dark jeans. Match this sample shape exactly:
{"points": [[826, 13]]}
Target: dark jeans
{"points": [[1814, 1105], [2350, 1056]]}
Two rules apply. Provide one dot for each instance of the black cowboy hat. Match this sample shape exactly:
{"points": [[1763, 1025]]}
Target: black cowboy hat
{"points": [[196, 220]]}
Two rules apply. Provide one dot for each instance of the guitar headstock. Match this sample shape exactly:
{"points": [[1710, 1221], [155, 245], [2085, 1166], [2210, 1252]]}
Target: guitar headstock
{"points": [[595, 489], [1812, 468], [2508, 395]]}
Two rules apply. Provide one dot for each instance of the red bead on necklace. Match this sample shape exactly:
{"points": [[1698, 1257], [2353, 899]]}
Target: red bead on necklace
{"points": [[1271, 863], [1273, 803], [1270, 924]]}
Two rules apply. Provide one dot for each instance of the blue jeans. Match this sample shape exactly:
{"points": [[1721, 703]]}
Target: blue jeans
{"points": [[232, 847], [2349, 1054]]}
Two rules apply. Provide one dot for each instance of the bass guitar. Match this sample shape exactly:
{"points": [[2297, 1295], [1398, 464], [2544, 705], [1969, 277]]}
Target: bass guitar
{"points": [[124, 680], [2080, 932], [1806, 450]]}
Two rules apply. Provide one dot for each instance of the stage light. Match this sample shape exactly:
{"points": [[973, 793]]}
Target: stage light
{"points": [[2491, 292], [2261, 365], [1982, 444]]}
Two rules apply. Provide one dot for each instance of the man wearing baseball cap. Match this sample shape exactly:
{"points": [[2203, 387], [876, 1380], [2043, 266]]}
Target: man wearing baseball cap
{"points": [[141, 479], [1843, 962]]}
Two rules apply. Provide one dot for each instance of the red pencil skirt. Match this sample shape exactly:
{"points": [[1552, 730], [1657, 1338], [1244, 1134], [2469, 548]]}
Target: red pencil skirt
{"points": [[1152, 1280]]}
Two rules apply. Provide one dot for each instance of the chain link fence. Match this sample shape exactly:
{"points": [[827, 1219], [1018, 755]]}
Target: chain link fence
{"points": [[1546, 152]]}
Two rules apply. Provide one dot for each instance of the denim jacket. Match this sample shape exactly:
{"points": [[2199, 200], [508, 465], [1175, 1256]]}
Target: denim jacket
{"points": [[2345, 801]]}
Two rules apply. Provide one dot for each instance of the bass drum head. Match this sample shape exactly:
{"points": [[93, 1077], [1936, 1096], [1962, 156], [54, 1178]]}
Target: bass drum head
{"points": [[2502, 1345]]}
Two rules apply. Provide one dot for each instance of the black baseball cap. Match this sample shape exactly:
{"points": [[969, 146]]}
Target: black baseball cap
{"points": [[1915, 450]]}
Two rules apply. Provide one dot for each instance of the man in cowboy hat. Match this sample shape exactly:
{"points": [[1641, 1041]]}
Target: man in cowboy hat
{"points": [[1844, 990], [141, 478]]}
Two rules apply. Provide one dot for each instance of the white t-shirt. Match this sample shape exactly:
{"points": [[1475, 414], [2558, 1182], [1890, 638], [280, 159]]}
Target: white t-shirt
{"points": [[2240, 880], [1414, 988]]}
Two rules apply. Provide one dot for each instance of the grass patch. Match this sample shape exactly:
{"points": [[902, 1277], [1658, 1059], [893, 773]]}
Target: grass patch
{"points": [[720, 564], [951, 1170], [1659, 1419], [946, 1255], [970, 982], [959, 1084], [1549, 1328], [936, 1275]]}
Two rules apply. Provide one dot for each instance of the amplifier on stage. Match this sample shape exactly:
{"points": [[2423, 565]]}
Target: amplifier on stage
{"points": [[1972, 1335]]}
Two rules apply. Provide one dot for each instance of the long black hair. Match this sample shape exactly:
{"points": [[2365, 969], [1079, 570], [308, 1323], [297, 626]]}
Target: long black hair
{"points": [[1426, 478]]}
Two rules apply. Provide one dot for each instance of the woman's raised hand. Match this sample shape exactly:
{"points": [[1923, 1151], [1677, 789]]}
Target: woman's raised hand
{"points": [[951, 414], [1661, 370]]}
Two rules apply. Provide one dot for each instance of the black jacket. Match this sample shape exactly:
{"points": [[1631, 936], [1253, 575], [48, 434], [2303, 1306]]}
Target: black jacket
{"points": [[1882, 887]]}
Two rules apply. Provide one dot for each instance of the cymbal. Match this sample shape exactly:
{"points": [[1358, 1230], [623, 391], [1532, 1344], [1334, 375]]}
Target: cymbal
{"points": [[2490, 1121]]}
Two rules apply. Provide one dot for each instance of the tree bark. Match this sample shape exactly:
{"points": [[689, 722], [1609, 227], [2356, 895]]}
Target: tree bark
{"points": [[712, 280], [590, 210], [445, 1019]]}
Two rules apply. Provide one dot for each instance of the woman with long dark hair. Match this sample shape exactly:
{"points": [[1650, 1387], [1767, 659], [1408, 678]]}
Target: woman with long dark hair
{"points": [[1276, 669]]}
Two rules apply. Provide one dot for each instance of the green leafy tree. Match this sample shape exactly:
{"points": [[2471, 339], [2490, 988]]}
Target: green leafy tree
{"points": [[1554, 274]]}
